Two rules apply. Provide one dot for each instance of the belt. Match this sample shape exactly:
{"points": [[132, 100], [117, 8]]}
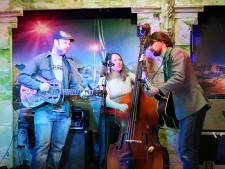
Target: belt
{"points": [[108, 110]]}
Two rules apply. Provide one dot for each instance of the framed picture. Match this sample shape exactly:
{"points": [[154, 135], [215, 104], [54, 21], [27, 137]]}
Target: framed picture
{"points": [[207, 54], [208, 50]]}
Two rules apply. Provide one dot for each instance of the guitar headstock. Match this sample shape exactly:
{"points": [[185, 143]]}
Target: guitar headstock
{"points": [[89, 93]]}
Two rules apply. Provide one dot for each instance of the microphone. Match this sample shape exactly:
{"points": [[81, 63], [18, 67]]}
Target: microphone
{"points": [[108, 63]]}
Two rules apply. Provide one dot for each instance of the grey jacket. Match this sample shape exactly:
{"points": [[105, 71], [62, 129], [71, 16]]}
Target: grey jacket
{"points": [[41, 65], [181, 80]]}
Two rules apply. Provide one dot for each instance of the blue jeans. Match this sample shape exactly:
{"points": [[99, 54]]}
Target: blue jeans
{"points": [[190, 130], [51, 130]]}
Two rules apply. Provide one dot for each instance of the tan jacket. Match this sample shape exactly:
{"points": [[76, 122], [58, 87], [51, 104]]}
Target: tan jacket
{"points": [[181, 80]]}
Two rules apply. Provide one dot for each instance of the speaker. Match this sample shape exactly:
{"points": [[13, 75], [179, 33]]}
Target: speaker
{"points": [[215, 116], [80, 117], [212, 149], [78, 152], [16, 97]]}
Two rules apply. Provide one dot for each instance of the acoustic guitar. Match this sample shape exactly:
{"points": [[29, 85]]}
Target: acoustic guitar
{"points": [[31, 98], [165, 107]]}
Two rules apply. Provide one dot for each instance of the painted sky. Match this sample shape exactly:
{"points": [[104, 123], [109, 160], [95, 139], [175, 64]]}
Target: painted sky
{"points": [[116, 27]]}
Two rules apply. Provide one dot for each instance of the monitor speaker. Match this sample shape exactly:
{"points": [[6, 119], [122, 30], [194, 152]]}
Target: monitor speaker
{"points": [[80, 118], [212, 149], [78, 152]]}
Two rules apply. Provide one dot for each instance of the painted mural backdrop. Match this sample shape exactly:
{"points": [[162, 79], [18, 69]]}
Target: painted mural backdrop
{"points": [[94, 35], [96, 32]]}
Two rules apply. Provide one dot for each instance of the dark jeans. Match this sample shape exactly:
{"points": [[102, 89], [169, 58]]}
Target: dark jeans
{"points": [[107, 135], [190, 130], [51, 130]]}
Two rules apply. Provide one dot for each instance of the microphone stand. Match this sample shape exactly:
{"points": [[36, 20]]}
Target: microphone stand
{"points": [[108, 65]]}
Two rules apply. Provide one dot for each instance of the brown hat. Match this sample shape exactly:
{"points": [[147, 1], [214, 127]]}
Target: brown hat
{"points": [[63, 35]]}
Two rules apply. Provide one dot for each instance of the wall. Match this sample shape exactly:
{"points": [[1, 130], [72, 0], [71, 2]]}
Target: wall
{"points": [[173, 16]]}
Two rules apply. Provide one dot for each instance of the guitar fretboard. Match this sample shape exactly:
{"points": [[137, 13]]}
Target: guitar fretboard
{"points": [[77, 92]]}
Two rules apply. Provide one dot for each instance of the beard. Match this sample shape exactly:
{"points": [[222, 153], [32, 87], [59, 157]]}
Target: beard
{"points": [[156, 53]]}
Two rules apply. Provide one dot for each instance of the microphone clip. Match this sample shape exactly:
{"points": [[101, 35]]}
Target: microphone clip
{"points": [[108, 63]]}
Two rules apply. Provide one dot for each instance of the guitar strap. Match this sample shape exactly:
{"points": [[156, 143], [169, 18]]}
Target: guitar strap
{"points": [[83, 81], [156, 72], [69, 67], [71, 64], [50, 65], [166, 58], [167, 64]]}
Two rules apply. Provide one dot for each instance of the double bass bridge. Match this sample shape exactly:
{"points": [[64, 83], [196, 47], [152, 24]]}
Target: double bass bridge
{"points": [[134, 141]]}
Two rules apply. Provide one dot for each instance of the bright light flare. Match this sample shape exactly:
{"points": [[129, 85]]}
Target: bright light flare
{"points": [[41, 28], [94, 47]]}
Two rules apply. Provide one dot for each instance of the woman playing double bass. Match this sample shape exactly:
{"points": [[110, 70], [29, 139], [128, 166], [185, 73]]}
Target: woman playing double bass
{"points": [[119, 84]]}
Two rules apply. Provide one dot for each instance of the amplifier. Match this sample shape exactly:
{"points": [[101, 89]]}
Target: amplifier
{"points": [[78, 152], [212, 148], [79, 119]]}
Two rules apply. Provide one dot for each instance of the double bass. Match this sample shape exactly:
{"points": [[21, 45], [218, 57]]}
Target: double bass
{"points": [[137, 146]]}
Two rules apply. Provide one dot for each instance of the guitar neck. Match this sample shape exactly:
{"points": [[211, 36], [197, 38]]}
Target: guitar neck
{"points": [[76, 92]]}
